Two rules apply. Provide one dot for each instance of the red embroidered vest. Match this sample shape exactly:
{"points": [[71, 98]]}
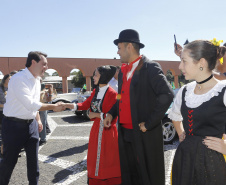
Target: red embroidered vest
{"points": [[124, 104]]}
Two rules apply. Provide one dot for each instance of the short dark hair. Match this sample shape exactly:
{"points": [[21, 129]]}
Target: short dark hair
{"points": [[224, 44], [34, 55], [136, 46]]}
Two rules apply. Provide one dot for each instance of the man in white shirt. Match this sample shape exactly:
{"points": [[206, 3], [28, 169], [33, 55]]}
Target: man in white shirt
{"points": [[114, 81], [21, 123]]}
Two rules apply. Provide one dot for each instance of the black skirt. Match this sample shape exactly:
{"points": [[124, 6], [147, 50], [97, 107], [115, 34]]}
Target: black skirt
{"points": [[195, 164]]}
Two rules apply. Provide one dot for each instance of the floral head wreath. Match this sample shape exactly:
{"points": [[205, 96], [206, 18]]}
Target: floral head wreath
{"points": [[216, 42]]}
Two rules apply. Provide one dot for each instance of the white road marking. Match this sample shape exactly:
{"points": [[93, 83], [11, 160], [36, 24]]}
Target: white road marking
{"points": [[77, 125], [71, 178], [78, 169], [52, 125], [169, 166], [57, 162], [69, 138], [79, 172]]}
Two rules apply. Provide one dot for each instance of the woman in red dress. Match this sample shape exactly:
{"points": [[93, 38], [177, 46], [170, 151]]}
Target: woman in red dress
{"points": [[103, 163]]}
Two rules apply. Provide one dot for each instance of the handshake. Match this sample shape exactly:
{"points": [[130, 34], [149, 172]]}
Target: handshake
{"points": [[61, 106]]}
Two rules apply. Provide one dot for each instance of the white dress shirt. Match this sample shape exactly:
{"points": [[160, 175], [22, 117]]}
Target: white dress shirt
{"points": [[23, 96], [114, 84], [102, 91], [129, 74]]}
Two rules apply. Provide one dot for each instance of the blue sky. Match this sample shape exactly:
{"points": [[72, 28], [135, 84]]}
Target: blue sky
{"points": [[87, 28]]}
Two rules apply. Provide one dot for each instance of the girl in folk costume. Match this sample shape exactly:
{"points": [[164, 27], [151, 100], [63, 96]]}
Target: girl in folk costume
{"points": [[201, 105], [103, 164]]}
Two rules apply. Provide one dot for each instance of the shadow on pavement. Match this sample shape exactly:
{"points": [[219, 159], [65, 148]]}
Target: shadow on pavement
{"points": [[71, 151], [63, 175], [75, 119]]}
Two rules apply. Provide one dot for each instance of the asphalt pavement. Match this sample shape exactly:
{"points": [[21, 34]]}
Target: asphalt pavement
{"points": [[62, 160]]}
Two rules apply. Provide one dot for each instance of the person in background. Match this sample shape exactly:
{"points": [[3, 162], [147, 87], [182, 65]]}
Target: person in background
{"points": [[3, 92], [103, 157], [45, 97], [199, 112], [220, 73], [21, 122], [13, 72], [144, 97], [114, 81]]}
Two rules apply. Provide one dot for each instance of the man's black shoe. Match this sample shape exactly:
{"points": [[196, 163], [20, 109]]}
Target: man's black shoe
{"points": [[42, 143], [48, 131]]}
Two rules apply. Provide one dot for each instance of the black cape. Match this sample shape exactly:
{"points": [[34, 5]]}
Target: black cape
{"points": [[150, 97]]}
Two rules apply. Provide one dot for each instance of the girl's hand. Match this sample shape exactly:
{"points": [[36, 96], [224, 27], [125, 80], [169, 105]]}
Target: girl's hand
{"points": [[182, 136], [216, 144]]}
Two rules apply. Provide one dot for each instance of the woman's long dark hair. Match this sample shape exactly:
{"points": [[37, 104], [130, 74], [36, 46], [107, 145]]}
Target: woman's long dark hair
{"points": [[3, 81]]}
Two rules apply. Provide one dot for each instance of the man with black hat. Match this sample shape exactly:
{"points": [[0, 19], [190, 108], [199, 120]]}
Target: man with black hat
{"points": [[144, 96]]}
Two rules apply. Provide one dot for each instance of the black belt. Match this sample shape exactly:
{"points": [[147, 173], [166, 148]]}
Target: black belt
{"points": [[19, 120]]}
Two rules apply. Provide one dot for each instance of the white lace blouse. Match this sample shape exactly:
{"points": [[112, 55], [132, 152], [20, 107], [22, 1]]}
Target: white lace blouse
{"points": [[193, 100]]}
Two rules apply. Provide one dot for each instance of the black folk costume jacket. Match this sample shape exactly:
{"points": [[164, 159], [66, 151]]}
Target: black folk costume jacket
{"points": [[150, 97]]}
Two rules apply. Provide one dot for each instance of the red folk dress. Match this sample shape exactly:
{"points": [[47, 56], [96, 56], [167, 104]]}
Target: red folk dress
{"points": [[109, 165]]}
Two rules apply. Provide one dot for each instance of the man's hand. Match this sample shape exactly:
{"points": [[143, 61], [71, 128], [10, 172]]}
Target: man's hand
{"points": [[107, 120], [178, 50], [59, 106], [69, 105], [142, 127], [40, 126], [50, 87]]}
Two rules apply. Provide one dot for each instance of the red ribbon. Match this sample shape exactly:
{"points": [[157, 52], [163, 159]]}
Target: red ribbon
{"points": [[125, 68]]}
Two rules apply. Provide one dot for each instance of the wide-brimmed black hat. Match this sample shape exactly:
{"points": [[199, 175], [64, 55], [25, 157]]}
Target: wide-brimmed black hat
{"points": [[129, 35]]}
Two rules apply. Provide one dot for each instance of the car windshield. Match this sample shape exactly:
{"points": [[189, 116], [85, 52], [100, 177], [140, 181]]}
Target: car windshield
{"points": [[76, 90]]}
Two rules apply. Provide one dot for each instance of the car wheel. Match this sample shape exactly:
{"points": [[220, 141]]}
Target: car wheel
{"points": [[86, 114], [169, 132], [78, 113]]}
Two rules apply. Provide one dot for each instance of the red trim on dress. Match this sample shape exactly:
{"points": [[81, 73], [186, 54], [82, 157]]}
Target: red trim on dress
{"points": [[190, 120]]}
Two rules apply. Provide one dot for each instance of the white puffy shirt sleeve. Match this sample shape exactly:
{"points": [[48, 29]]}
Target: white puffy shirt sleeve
{"points": [[175, 113], [225, 98]]}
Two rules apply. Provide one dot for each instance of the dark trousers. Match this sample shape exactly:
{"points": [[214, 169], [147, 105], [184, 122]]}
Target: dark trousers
{"points": [[18, 135], [1, 117], [130, 172]]}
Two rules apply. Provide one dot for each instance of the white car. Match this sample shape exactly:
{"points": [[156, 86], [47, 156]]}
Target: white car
{"points": [[169, 132]]}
